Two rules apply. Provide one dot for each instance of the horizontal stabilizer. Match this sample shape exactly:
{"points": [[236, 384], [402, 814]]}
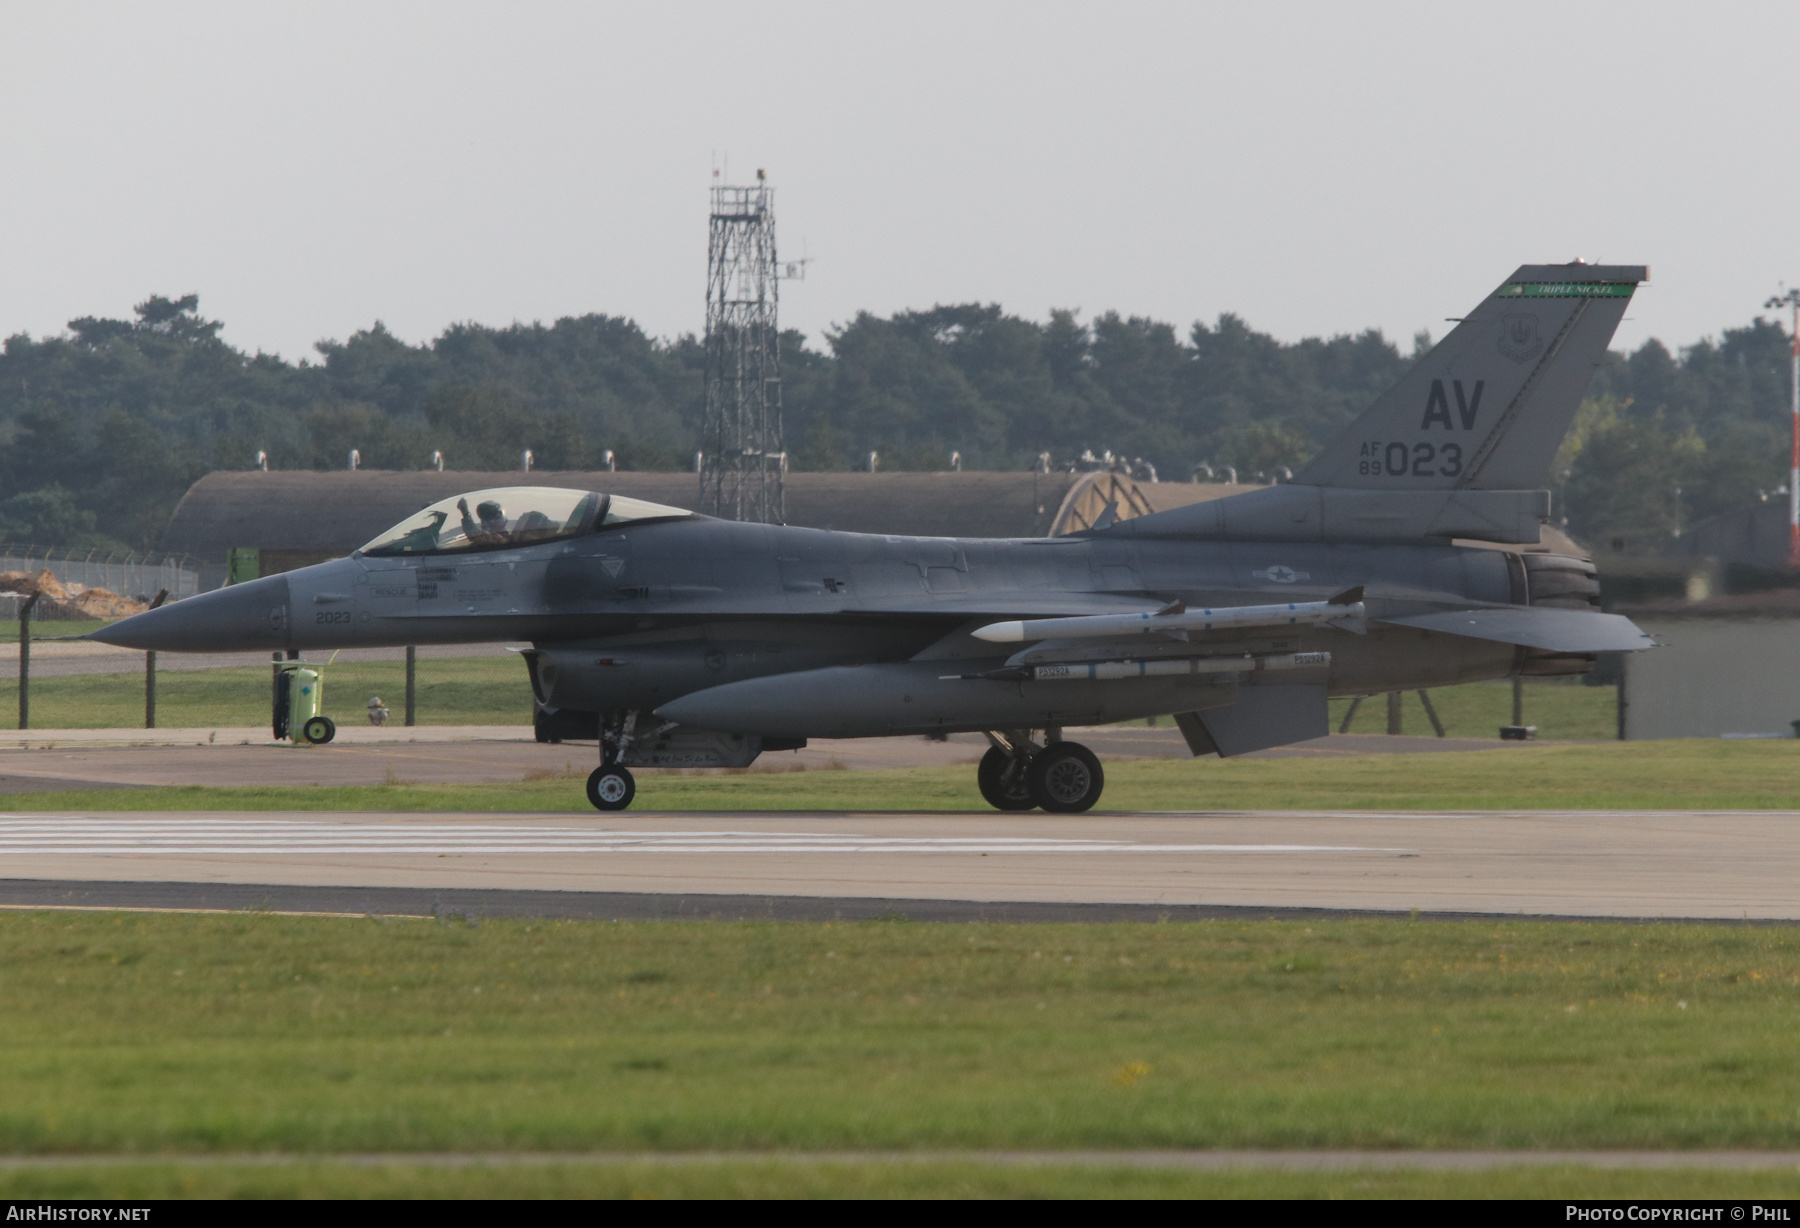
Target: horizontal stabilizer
{"points": [[1553, 630]]}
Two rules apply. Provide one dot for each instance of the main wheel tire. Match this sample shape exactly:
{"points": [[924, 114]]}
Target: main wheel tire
{"points": [[610, 787], [319, 730], [1065, 778], [1001, 779]]}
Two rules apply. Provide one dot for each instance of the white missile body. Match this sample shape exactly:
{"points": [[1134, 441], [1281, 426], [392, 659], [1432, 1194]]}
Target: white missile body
{"points": [[1177, 621]]}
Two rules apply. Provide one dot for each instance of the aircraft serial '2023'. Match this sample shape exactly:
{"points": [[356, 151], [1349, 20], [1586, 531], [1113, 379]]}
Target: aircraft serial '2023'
{"points": [[679, 640]]}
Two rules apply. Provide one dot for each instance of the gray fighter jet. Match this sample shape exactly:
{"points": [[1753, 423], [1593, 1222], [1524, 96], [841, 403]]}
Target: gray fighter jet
{"points": [[678, 640]]}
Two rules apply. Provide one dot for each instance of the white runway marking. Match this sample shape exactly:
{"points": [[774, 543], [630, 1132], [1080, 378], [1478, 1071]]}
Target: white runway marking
{"points": [[64, 834]]}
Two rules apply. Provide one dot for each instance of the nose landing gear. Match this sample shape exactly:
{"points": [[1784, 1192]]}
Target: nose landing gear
{"points": [[610, 787], [1062, 777]]}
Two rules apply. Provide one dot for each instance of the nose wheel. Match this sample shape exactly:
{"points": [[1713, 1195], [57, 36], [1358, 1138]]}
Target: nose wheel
{"points": [[610, 787]]}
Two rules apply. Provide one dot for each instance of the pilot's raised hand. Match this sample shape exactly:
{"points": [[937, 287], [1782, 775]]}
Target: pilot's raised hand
{"points": [[470, 529]]}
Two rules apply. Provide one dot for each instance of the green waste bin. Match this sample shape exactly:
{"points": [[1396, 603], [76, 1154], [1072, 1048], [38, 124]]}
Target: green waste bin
{"points": [[299, 694]]}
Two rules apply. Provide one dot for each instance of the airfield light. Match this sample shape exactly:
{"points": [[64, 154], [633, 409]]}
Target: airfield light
{"points": [[1791, 299]]}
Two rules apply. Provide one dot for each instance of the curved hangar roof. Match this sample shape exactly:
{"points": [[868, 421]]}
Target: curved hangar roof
{"points": [[299, 516]]}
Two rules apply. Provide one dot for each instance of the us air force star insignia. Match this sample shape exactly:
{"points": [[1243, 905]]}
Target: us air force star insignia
{"points": [[1281, 575], [613, 566]]}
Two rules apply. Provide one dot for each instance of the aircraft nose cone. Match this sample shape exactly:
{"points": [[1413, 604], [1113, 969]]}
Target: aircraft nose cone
{"points": [[240, 618]]}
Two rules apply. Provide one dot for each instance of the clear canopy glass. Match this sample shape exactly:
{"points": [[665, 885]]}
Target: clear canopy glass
{"points": [[617, 509], [511, 516]]}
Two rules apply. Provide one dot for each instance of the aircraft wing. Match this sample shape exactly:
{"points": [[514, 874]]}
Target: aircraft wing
{"points": [[1553, 630]]}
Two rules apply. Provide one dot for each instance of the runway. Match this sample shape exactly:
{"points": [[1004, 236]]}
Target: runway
{"points": [[1737, 865], [280, 837]]}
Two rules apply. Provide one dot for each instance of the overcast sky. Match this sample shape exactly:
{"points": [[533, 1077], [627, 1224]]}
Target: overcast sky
{"points": [[1316, 168]]}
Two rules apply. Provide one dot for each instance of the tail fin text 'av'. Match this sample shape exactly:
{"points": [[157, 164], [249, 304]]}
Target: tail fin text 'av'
{"points": [[1487, 408]]}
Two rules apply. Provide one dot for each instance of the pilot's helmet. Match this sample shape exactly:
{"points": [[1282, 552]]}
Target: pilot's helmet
{"points": [[490, 511]]}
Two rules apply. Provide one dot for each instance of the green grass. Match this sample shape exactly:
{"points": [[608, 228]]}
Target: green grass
{"points": [[42, 628], [1562, 708], [169, 1034], [1675, 775], [766, 1178], [451, 691]]}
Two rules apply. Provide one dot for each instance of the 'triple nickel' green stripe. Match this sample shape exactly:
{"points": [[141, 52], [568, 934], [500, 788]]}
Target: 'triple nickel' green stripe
{"points": [[1567, 289]]}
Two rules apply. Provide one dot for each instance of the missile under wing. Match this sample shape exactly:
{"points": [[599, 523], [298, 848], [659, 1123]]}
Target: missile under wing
{"points": [[1403, 556]]}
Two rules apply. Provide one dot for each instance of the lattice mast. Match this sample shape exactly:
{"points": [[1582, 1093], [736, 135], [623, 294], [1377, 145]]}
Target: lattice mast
{"points": [[1791, 298], [742, 456]]}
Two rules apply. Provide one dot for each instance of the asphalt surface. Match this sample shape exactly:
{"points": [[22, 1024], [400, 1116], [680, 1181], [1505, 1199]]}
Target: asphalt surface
{"points": [[475, 904], [450, 904], [822, 866], [1725, 865]]}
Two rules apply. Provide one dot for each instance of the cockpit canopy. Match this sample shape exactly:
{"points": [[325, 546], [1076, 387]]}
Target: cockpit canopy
{"points": [[512, 516]]}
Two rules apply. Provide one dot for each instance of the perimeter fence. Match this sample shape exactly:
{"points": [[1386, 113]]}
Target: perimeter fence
{"points": [[135, 575], [60, 684]]}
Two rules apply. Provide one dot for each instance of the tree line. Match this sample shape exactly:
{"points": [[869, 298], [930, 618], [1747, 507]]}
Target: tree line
{"points": [[107, 424]]}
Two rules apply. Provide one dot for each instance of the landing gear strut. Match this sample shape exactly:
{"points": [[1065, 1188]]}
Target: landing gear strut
{"points": [[1061, 777]]}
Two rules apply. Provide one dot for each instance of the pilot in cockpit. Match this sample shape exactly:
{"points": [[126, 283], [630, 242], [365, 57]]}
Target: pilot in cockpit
{"points": [[540, 514], [492, 527]]}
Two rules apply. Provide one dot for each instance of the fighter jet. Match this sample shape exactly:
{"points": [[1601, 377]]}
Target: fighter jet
{"points": [[679, 640]]}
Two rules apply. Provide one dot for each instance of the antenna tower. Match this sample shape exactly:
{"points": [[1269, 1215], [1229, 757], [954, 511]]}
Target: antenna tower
{"points": [[742, 455]]}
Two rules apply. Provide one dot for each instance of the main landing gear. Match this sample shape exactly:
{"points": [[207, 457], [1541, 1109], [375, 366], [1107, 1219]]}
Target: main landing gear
{"points": [[1017, 774]]}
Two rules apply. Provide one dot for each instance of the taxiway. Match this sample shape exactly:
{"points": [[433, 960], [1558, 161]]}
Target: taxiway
{"points": [[1736, 865]]}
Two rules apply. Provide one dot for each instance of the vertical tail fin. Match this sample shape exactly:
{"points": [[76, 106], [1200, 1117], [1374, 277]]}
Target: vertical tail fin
{"points": [[1487, 408]]}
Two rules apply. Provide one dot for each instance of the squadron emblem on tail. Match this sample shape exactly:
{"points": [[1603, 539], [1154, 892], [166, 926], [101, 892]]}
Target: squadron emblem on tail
{"points": [[1519, 338]]}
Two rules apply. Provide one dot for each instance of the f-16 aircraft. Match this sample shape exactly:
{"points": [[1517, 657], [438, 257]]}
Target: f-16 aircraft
{"points": [[680, 640]]}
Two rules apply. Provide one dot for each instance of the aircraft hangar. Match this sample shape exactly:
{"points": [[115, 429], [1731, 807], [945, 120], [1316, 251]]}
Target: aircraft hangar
{"points": [[294, 518]]}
